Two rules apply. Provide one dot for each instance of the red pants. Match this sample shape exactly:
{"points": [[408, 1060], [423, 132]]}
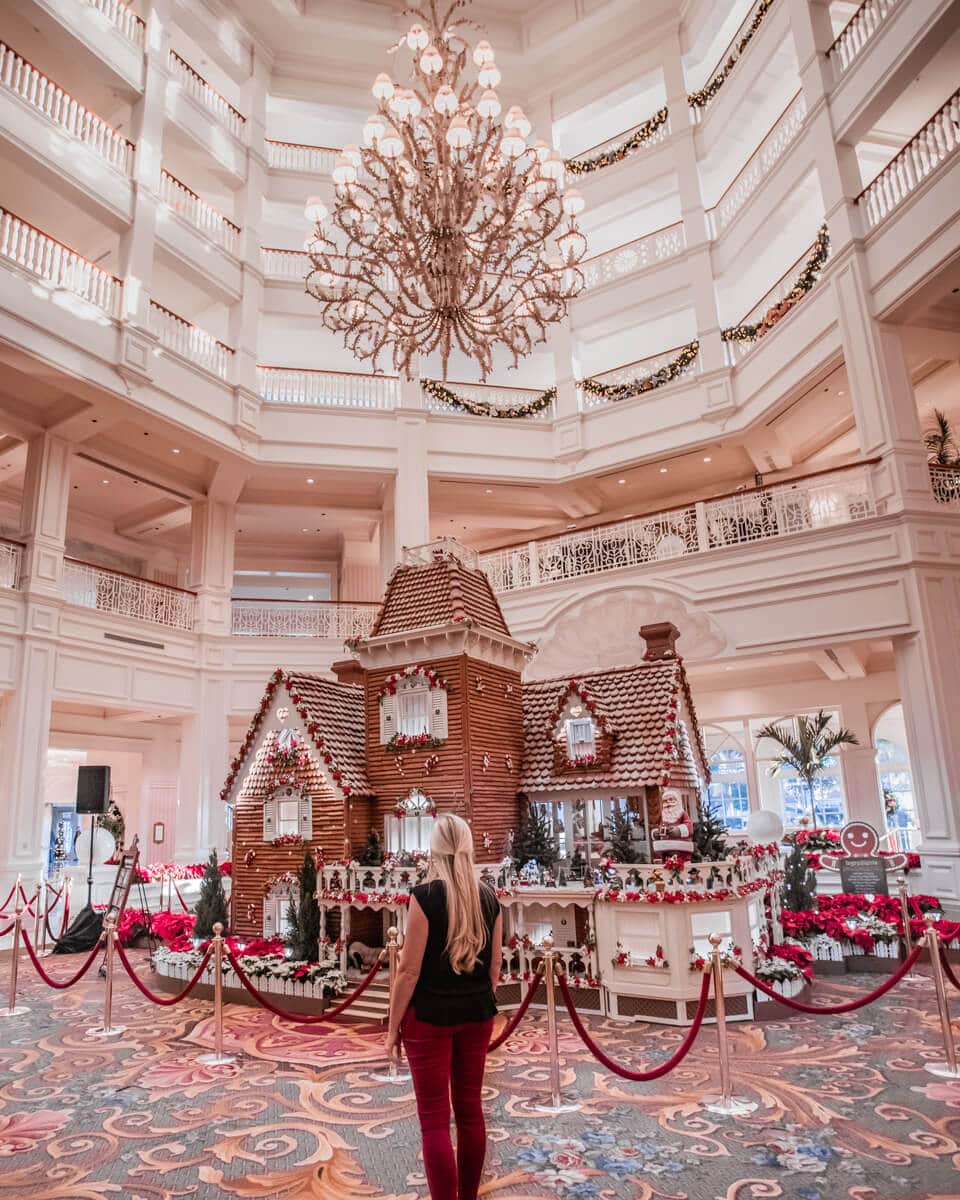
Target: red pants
{"points": [[447, 1059]]}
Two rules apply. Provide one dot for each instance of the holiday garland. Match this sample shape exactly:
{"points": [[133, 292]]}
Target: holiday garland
{"points": [[484, 408], [606, 158], [391, 683], [411, 741], [702, 98], [751, 331], [646, 383]]}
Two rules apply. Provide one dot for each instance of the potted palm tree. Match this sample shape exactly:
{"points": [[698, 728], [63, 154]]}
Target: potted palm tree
{"points": [[807, 751]]}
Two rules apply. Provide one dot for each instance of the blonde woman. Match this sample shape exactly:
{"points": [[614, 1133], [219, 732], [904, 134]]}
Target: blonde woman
{"points": [[443, 1007]]}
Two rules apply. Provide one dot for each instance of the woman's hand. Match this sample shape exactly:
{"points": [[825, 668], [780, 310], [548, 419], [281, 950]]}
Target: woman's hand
{"points": [[393, 1046]]}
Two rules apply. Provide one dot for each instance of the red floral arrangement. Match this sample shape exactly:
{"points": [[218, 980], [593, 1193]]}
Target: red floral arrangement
{"points": [[581, 761], [287, 839], [411, 741], [794, 954], [391, 683], [814, 839], [170, 927]]}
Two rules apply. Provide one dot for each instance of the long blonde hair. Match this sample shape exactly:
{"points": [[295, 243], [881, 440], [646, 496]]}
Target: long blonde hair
{"points": [[451, 859]]}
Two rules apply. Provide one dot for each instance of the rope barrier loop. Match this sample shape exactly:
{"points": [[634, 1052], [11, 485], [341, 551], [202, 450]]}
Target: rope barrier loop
{"points": [[302, 1018], [165, 1001], [521, 1012], [61, 985]]}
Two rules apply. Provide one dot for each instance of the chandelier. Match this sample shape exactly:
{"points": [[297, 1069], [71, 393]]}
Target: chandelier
{"points": [[448, 230]]}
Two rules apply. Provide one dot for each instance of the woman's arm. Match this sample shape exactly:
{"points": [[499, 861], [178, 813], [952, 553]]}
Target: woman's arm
{"points": [[408, 971], [496, 951]]}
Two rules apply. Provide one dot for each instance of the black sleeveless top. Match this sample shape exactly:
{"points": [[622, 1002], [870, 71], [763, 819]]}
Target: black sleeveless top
{"points": [[442, 997]]}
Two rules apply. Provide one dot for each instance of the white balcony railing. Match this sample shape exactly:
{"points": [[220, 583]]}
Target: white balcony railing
{"points": [[196, 212], [945, 482], [736, 350], [189, 341], [89, 586], [19, 76], [302, 619], [327, 389], [660, 134], [488, 393], [858, 32], [640, 368], [122, 18], [755, 515], [74, 283], [297, 156], [925, 153], [634, 256], [284, 264], [194, 84], [11, 556], [758, 166]]}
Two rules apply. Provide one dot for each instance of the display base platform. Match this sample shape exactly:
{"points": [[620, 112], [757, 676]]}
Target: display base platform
{"points": [[237, 994]]}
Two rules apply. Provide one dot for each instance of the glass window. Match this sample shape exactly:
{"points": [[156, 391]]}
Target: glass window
{"points": [[895, 779], [412, 830], [728, 792], [580, 736], [787, 792], [415, 711], [288, 817]]}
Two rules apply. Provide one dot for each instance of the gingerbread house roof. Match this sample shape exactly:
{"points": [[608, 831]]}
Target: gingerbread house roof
{"points": [[648, 708], [422, 595]]}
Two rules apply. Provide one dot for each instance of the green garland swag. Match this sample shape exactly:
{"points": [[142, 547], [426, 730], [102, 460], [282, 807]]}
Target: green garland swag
{"points": [[702, 98], [635, 387], [640, 136], [483, 408], [803, 284]]}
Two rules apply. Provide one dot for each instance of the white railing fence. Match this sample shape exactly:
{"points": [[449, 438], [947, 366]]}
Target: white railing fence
{"points": [[858, 32], [327, 389], [758, 166], [660, 134], [634, 256], [19, 76], [284, 264], [945, 482], [11, 557], [194, 84], [631, 371], [925, 153], [296, 156], [189, 341], [759, 514], [122, 18], [196, 212], [58, 265], [488, 393], [735, 350], [302, 618], [127, 595]]}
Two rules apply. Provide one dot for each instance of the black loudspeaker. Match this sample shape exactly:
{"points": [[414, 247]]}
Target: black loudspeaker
{"points": [[93, 790]]}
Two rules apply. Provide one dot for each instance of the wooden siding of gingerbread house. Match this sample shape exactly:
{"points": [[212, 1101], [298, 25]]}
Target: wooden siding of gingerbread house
{"points": [[494, 753]]}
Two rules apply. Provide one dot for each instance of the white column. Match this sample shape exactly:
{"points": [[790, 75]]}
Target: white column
{"points": [[43, 515], [359, 577], [204, 754], [213, 535], [158, 796], [858, 767], [928, 670], [410, 500]]}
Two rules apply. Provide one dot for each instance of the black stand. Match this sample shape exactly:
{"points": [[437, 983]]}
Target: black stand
{"points": [[87, 926]]}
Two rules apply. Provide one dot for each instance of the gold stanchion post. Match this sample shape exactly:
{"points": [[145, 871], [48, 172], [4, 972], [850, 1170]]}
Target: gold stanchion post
{"points": [[948, 1069], [217, 1058], [108, 1029], [13, 1009], [726, 1104], [556, 1102], [42, 948], [394, 1073], [912, 977], [38, 915]]}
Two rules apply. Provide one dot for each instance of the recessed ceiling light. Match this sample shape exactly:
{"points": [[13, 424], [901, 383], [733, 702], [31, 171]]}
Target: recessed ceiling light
{"points": [[572, 525], [304, 530], [310, 597], [621, 481], [663, 470], [104, 480], [707, 458], [311, 481], [488, 491], [174, 450], [841, 393]]}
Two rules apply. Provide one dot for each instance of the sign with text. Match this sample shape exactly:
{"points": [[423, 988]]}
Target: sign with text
{"points": [[864, 874]]}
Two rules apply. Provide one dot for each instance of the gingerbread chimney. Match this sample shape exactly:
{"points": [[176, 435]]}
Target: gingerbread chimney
{"points": [[661, 640], [348, 670]]}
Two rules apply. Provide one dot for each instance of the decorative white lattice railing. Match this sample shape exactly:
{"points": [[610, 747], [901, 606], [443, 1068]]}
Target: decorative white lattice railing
{"points": [[89, 586], [327, 389], [68, 273], [301, 619], [194, 84], [196, 212], [122, 18], [189, 341], [284, 264], [925, 153], [758, 166], [19, 76], [11, 556], [753, 515], [297, 156], [945, 482], [488, 393], [858, 32], [634, 256], [640, 368]]}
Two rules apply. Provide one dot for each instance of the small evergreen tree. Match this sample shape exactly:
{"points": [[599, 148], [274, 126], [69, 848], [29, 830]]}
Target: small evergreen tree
{"points": [[534, 838], [212, 905], [709, 837], [798, 890], [372, 855], [622, 846], [304, 915]]}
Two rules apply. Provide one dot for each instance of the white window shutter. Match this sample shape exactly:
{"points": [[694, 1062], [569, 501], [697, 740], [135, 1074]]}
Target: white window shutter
{"points": [[269, 820], [389, 707], [269, 914], [306, 822], [438, 713]]}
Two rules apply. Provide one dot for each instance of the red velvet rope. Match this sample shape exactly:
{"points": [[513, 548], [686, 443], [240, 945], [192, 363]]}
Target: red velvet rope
{"points": [[639, 1076], [27, 902], [947, 968], [302, 1018], [183, 903], [9, 897], [66, 983], [4, 932], [518, 1016], [164, 1000], [830, 1009]]}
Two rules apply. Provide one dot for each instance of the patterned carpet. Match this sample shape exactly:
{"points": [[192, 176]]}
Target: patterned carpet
{"points": [[846, 1109]]}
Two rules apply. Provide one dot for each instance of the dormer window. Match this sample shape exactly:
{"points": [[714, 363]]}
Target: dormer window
{"points": [[581, 737], [413, 704]]}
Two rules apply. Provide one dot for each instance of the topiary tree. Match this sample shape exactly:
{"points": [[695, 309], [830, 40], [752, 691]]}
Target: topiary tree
{"points": [[372, 855], [534, 838], [622, 846], [304, 915], [212, 905], [709, 836], [799, 887]]}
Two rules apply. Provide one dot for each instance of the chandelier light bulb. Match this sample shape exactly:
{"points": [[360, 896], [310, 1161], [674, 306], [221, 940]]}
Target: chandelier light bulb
{"points": [[445, 101], [315, 210], [373, 130], [382, 86], [552, 167], [489, 75], [417, 37], [431, 61], [488, 106], [541, 149], [391, 143], [482, 53], [573, 202], [344, 171], [517, 119], [512, 144], [570, 245], [459, 134], [352, 153]]}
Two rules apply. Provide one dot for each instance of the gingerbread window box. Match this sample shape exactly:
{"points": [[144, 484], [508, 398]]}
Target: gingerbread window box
{"points": [[585, 763]]}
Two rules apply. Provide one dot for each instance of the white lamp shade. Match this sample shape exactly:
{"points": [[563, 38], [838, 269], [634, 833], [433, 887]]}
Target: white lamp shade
{"points": [[488, 106], [352, 152], [458, 133], [344, 172], [391, 144], [765, 826], [482, 53], [382, 86], [315, 209], [517, 119], [573, 202], [489, 75], [431, 61], [445, 101], [417, 37], [373, 129], [512, 144]]}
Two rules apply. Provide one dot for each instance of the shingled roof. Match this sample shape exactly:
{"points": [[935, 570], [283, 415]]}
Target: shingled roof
{"points": [[644, 705], [419, 596]]}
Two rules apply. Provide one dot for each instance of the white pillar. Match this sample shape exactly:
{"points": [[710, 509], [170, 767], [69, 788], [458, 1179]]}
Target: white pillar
{"points": [[43, 515], [858, 766], [359, 576], [204, 754], [213, 536], [408, 503]]}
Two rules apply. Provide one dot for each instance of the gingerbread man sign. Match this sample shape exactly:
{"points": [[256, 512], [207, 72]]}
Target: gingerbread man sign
{"points": [[860, 863]]}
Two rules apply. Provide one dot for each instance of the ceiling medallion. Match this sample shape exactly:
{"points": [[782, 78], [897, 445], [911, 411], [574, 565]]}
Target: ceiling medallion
{"points": [[448, 230]]}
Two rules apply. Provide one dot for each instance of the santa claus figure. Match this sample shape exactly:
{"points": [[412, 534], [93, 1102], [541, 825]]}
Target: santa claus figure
{"points": [[673, 837]]}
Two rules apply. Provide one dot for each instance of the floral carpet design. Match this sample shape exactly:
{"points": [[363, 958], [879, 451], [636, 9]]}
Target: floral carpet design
{"points": [[846, 1109]]}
